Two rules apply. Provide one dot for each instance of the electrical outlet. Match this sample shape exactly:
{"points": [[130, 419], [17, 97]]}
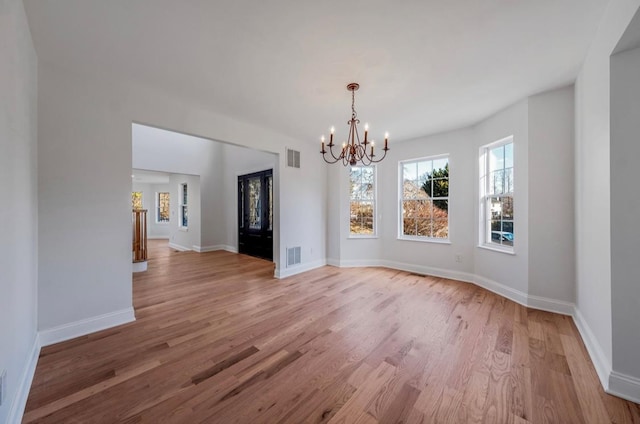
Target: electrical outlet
{"points": [[459, 258], [3, 380]]}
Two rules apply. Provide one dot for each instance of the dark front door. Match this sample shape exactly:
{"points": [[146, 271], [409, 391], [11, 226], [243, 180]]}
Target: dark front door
{"points": [[255, 214]]}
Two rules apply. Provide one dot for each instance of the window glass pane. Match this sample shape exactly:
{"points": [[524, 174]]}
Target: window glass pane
{"points": [[508, 155], [507, 226], [423, 227], [423, 209], [409, 227], [424, 170], [185, 219], [184, 194], [440, 228], [441, 209], [496, 158], [361, 221], [410, 171], [367, 183], [255, 207], [495, 208], [422, 182], [496, 181], [163, 207], [440, 187], [362, 195], [440, 165], [410, 208], [508, 180], [507, 208]]}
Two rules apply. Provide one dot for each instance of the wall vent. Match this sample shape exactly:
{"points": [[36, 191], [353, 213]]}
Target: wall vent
{"points": [[293, 158], [293, 255]]}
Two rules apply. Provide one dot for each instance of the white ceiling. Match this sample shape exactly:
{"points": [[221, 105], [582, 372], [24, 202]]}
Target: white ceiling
{"points": [[424, 66]]}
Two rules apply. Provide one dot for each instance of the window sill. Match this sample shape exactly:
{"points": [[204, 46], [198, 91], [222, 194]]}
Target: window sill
{"points": [[363, 237], [184, 229], [162, 223], [426, 240], [497, 249]]}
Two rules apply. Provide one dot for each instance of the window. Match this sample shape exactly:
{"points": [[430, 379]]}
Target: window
{"points": [[424, 199], [362, 205], [496, 186], [183, 206], [162, 207], [136, 200]]}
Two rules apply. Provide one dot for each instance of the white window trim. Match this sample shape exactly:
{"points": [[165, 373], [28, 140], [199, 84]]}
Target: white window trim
{"points": [[181, 204], [483, 232], [375, 205], [400, 224], [158, 207]]}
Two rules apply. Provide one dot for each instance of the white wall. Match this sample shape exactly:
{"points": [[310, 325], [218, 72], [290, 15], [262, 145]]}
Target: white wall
{"points": [[85, 122], [625, 212], [592, 206], [18, 214], [458, 144], [541, 272], [506, 269], [551, 196]]}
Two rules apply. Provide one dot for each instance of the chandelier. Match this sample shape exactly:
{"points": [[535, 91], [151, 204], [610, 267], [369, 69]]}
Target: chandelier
{"points": [[354, 151]]}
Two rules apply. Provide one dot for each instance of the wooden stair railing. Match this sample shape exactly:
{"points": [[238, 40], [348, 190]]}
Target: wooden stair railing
{"points": [[139, 235]]}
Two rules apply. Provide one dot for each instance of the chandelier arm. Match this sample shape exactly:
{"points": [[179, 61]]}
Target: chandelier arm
{"points": [[353, 151]]}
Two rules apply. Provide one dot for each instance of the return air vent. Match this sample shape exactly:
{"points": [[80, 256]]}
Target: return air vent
{"points": [[293, 255], [293, 158]]}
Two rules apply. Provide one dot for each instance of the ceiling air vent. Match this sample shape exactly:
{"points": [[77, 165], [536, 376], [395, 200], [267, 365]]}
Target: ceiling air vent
{"points": [[293, 158], [293, 255]]}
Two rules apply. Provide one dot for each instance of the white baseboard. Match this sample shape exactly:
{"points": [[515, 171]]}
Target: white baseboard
{"points": [[624, 386], [20, 400], [288, 272], [158, 238], [86, 326], [202, 249], [179, 247], [428, 270], [598, 357]]}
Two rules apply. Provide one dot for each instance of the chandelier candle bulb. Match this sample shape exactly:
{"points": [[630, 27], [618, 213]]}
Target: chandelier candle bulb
{"points": [[366, 133], [386, 140], [331, 137]]}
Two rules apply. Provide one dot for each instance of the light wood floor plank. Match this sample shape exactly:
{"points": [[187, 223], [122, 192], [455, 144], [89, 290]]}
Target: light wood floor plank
{"points": [[218, 340]]}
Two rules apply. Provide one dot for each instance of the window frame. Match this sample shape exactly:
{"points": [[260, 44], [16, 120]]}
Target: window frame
{"points": [[400, 226], [157, 220], [183, 205], [375, 203], [484, 232]]}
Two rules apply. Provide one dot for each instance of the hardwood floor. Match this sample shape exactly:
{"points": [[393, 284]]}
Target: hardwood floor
{"points": [[219, 340]]}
